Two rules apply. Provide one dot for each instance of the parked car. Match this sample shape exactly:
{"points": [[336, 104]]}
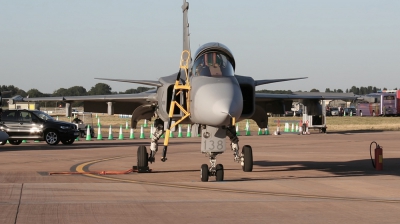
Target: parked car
{"points": [[334, 111], [36, 125], [347, 110], [290, 113]]}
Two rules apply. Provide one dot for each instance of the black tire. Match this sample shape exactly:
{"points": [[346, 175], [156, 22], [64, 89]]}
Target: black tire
{"points": [[67, 141], [219, 173], [51, 137], [142, 157], [248, 158], [204, 173], [82, 134], [15, 142], [3, 142]]}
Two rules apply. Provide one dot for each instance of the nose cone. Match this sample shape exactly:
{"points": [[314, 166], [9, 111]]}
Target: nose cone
{"points": [[226, 108], [215, 100]]}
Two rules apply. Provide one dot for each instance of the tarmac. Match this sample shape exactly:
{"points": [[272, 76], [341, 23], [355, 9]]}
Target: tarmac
{"points": [[317, 178]]}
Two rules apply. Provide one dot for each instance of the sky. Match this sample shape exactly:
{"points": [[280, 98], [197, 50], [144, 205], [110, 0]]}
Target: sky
{"points": [[47, 45]]}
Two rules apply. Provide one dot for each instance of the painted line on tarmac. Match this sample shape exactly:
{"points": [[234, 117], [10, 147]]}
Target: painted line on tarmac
{"points": [[83, 167]]}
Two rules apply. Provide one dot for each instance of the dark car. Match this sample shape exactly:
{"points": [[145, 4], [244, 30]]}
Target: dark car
{"points": [[349, 110], [36, 125]]}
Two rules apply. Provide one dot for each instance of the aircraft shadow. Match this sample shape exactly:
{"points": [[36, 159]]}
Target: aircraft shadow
{"points": [[338, 169], [354, 131], [363, 167]]}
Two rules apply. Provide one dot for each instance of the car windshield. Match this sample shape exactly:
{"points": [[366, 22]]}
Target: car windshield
{"points": [[42, 115], [212, 64]]}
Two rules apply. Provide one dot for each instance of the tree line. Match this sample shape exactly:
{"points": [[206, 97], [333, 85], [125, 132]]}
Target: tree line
{"points": [[356, 90], [98, 89]]}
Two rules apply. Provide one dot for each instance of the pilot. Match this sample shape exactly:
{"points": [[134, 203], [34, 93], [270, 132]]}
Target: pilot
{"points": [[201, 68], [214, 62]]}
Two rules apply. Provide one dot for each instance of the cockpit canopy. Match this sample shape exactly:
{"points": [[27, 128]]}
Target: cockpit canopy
{"points": [[213, 64]]}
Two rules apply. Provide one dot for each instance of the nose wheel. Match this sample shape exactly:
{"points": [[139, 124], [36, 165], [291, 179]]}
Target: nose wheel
{"points": [[204, 173], [216, 170], [219, 173]]}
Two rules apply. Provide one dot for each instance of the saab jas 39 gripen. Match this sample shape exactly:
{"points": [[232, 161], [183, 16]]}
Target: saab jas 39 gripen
{"points": [[205, 93]]}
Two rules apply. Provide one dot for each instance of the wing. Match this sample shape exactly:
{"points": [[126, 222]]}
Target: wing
{"points": [[145, 96], [145, 82], [121, 103], [304, 95], [268, 81], [278, 103]]}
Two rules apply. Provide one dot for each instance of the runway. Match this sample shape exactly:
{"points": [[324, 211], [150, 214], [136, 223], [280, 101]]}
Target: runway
{"points": [[296, 179]]}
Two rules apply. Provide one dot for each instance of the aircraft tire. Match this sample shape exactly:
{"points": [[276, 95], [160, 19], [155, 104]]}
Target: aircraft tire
{"points": [[15, 142], [248, 158], [142, 157], [204, 173], [219, 173]]}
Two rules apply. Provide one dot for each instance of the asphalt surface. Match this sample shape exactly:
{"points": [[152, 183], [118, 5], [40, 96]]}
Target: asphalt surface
{"points": [[318, 178]]}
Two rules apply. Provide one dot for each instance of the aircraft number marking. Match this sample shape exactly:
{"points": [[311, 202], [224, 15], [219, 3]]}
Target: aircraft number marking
{"points": [[212, 146]]}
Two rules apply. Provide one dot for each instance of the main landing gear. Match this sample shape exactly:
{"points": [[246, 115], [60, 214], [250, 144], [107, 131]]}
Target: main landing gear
{"points": [[143, 158]]}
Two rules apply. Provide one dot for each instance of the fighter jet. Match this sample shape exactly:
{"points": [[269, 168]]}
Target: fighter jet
{"points": [[205, 93]]}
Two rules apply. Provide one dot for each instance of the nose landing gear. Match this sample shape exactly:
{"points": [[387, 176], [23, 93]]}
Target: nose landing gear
{"points": [[216, 170], [213, 143]]}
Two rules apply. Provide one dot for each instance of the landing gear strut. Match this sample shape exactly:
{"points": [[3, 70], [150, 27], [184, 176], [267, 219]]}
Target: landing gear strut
{"points": [[157, 133]]}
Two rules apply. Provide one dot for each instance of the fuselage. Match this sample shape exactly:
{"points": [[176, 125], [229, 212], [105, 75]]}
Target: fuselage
{"points": [[215, 96], [214, 101]]}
